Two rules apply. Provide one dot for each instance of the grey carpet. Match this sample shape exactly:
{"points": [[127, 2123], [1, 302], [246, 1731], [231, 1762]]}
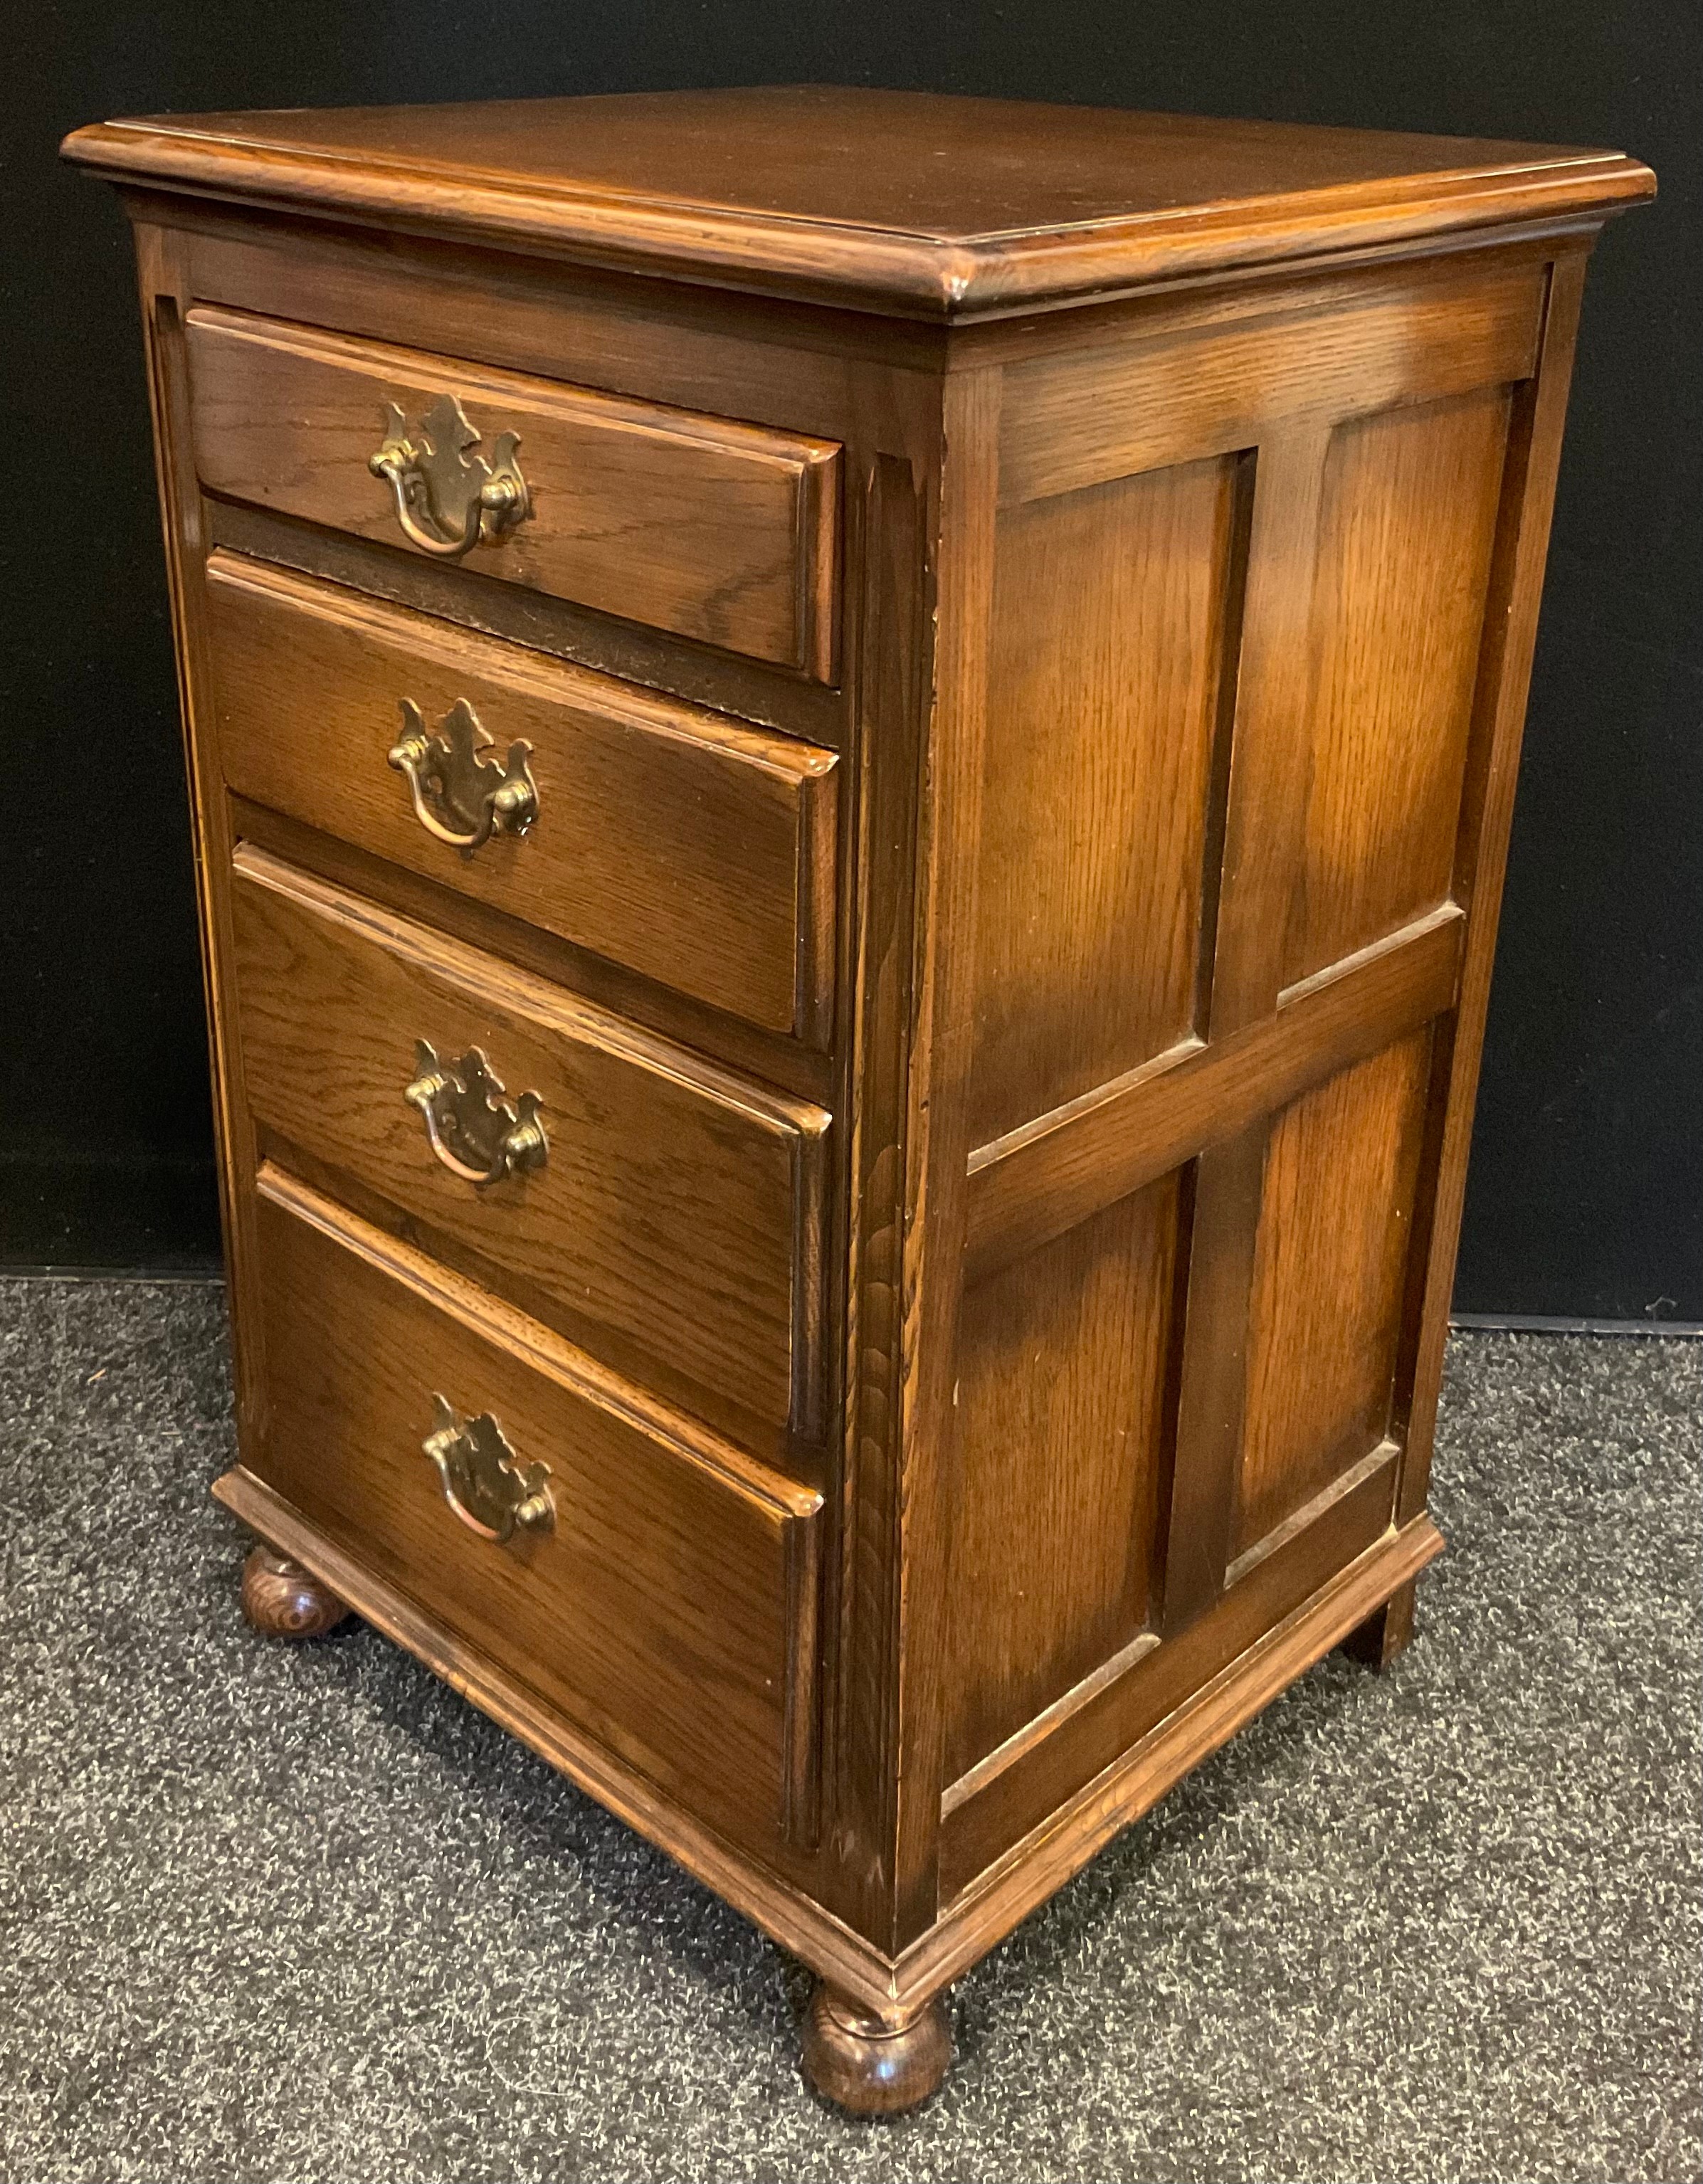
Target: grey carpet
{"points": [[302, 1915]]}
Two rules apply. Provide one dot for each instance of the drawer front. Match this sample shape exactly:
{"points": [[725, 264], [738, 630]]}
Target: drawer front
{"points": [[658, 1590], [710, 529], [688, 847], [672, 1223]]}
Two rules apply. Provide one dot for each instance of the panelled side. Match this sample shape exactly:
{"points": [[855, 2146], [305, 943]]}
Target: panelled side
{"points": [[1112, 661], [1240, 710]]}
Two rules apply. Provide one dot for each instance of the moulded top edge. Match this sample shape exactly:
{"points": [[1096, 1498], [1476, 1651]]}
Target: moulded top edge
{"points": [[907, 204]]}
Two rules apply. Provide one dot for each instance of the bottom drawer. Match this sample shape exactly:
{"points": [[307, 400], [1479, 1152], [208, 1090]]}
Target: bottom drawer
{"points": [[638, 1573]]}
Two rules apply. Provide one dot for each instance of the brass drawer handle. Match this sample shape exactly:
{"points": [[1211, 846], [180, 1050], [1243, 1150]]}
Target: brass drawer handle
{"points": [[459, 796], [485, 1483], [447, 500], [473, 1131]]}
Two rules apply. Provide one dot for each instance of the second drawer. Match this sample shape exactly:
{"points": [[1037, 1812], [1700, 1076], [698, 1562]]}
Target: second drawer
{"points": [[692, 849], [671, 1214]]}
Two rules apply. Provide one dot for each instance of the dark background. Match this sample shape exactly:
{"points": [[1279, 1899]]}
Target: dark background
{"points": [[1587, 1189]]}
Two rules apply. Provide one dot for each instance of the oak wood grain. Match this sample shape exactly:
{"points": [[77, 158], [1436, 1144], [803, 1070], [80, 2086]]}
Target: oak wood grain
{"points": [[1223, 1197], [1153, 400], [995, 1893], [1042, 1180], [1108, 664], [1007, 1104], [1336, 1235], [763, 696], [690, 848], [1487, 818], [1059, 1466], [937, 1132], [717, 530], [162, 272], [1240, 984], [916, 203], [809, 1074], [1046, 1775], [1001, 1898], [678, 1207], [658, 1610], [1411, 503]]}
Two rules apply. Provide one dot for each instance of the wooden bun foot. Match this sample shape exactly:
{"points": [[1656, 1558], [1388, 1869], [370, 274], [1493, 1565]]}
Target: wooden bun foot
{"points": [[282, 1600], [858, 2061]]}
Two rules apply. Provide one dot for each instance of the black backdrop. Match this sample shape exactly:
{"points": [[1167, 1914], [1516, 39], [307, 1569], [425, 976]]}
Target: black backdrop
{"points": [[1587, 1190]]}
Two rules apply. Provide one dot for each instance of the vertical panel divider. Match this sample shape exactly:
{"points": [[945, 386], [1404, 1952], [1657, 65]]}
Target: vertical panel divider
{"points": [[1511, 624], [1265, 815], [888, 648], [948, 841], [164, 277]]}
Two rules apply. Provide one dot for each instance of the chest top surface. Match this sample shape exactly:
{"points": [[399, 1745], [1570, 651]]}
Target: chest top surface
{"points": [[911, 202]]}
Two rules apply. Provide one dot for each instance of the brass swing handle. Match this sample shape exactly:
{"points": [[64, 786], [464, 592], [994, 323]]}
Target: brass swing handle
{"points": [[447, 501], [484, 1482], [449, 778], [472, 1130]]}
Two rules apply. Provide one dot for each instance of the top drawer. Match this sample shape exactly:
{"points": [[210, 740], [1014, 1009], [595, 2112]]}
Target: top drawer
{"points": [[721, 531]]}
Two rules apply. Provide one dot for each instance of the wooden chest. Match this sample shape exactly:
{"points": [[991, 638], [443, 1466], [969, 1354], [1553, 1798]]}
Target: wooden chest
{"points": [[851, 757]]}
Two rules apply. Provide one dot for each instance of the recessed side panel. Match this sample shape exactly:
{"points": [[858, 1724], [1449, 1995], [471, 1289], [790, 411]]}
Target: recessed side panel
{"points": [[1113, 609], [1060, 1466], [1407, 529], [1336, 1229]]}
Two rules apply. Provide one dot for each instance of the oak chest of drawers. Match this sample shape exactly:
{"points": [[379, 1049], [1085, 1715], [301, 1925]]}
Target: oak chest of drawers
{"points": [[852, 757]]}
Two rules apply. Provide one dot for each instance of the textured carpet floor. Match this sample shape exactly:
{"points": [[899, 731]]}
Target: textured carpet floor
{"points": [[302, 1915]]}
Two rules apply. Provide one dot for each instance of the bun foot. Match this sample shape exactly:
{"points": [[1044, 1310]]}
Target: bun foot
{"points": [[864, 2063], [1381, 1637], [282, 1600]]}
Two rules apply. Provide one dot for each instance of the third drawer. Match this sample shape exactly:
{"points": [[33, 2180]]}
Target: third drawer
{"points": [[670, 1222]]}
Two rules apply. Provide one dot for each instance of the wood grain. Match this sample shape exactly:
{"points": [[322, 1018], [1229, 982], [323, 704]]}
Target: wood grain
{"points": [[809, 1074], [679, 1211], [1482, 851], [1061, 1463], [1007, 1103], [870, 2063], [659, 1611], [1336, 1234], [282, 1599], [1410, 501], [716, 530], [1225, 1185], [163, 275], [1045, 1178], [936, 207], [1046, 1775], [1269, 737], [1110, 620], [1240, 986], [1071, 421], [892, 663], [691, 848], [761, 696], [937, 1125]]}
